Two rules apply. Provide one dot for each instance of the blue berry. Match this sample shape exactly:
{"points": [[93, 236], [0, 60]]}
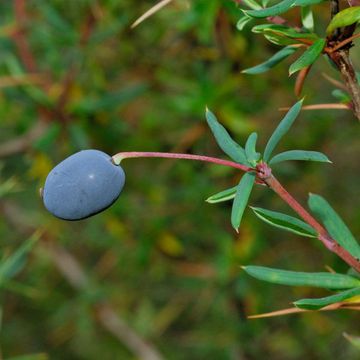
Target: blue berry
{"points": [[82, 185]]}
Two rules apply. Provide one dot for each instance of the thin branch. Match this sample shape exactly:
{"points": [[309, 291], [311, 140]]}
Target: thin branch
{"points": [[143, 154], [151, 12], [342, 60], [344, 42], [335, 82], [332, 106], [264, 173]]}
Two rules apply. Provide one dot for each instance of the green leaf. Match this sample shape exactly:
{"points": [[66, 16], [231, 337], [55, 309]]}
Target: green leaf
{"points": [[14, 263], [304, 155], [343, 18], [285, 222], [272, 10], [308, 57], [250, 149], [307, 18], [252, 4], [341, 95], [221, 196], [242, 22], [280, 8], [334, 224], [226, 143], [270, 63], [283, 30], [315, 304], [295, 278], [243, 191], [282, 129]]}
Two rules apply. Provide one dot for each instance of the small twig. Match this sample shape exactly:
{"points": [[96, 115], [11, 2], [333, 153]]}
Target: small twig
{"points": [[264, 172], [342, 60], [334, 106], [144, 154], [343, 43], [151, 12], [335, 82]]}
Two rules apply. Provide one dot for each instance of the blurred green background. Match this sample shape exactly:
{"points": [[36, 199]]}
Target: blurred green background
{"points": [[158, 274]]}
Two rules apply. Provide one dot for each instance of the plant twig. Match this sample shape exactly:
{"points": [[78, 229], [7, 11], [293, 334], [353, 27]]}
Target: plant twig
{"points": [[344, 42], [264, 172], [342, 60], [143, 154]]}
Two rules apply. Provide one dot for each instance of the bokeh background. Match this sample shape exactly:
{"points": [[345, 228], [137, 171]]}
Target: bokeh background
{"points": [[158, 274]]}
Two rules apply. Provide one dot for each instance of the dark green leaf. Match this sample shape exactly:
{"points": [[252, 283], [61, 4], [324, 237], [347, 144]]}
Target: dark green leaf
{"points": [[250, 149], [283, 30], [307, 2], [224, 195], [242, 22], [272, 10], [241, 198], [226, 143], [295, 278], [315, 304], [285, 222], [282, 129], [270, 63], [308, 57], [334, 224], [304, 155], [345, 17]]}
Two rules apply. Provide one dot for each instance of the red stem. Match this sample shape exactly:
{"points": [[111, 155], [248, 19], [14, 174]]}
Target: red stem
{"points": [[143, 154], [323, 235], [264, 175]]}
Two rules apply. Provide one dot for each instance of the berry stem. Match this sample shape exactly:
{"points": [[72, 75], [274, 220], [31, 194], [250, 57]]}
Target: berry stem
{"points": [[143, 154]]}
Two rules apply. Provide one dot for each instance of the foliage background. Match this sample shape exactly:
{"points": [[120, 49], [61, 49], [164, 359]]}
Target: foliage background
{"points": [[166, 261]]}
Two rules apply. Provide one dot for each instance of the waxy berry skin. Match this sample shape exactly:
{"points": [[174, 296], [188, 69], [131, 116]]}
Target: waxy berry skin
{"points": [[82, 185]]}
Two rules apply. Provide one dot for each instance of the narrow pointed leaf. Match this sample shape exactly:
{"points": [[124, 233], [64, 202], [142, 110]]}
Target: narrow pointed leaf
{"points": [[272, 10], [343, 18], [307, 18], [284, 222], [250, 149], [334, 224], [221, 196], [308, 57], [14, 263], [243, 191], [271, 62], [295, 278], [304, 155], [226, 143], [242, 22], [315, 304], [283, 30], [282, 129], [252, 4]]}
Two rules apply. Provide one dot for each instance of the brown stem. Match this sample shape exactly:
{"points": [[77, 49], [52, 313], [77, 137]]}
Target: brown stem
{"points": [[342, 60], [265, 175], [344, 42]]}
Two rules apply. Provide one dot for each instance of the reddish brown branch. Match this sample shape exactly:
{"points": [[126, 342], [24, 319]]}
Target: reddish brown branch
{"points": [[264, 172]]}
